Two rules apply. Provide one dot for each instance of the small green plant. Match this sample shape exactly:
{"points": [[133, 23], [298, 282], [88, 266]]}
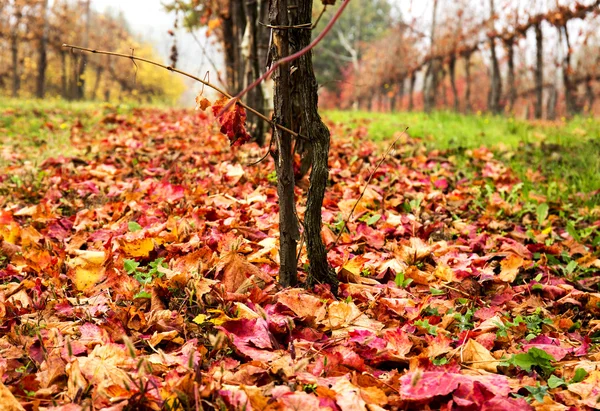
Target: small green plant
{"points": [[537, 393], [464, 321], [338, 225], [309, 388], [435, 291], [133, 226], [370, 219], [579, 376], [541, 213], [272, 177], [402, 282], [534, 323], [144, 275], [534, 358], [430, 329]]}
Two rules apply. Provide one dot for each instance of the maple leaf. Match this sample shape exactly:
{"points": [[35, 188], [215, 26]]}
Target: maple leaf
{"points": [[232, 121], [8, 400], [479, 356], [202, 103], [87, 268]]}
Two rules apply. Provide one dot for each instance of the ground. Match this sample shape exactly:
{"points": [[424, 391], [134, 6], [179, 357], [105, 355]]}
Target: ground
{"points": [[138, 265]]}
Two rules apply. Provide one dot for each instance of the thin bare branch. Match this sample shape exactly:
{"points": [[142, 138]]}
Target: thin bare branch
{"points": [[198, 79], [323, 10]]}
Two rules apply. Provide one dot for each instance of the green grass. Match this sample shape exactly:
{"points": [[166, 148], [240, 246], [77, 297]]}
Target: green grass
{"points": [[35, 130], [567, 153]]}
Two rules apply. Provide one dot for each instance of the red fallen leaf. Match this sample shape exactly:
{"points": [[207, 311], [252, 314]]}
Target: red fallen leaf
{"points": [[474, 395], [251, 338], [418, 386], [550, 345], [232, 121]]}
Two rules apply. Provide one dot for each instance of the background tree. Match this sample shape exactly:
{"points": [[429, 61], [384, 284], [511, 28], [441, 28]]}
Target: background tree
{"points": [[364, 21], [31, 35], [243, 39]]}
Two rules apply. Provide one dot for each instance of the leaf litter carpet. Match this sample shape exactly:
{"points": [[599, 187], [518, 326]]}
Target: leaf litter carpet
{"points": [[143, 276]]}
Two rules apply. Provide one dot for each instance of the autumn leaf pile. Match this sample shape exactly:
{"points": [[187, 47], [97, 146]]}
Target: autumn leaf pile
{"points": [[143, 276]]}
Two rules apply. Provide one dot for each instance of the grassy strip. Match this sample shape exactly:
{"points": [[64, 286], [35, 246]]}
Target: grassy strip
{"points": [[34, 130], [566, 154]]}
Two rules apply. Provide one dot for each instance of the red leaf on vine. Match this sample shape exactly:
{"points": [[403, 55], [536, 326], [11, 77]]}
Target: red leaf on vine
{"points": [[232, 121]]}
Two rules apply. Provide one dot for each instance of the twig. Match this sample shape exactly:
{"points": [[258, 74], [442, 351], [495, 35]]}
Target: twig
{"points": [[305, 26], [347, 219], [183, 73], [291, 57], [319, 18], [263, 157]]}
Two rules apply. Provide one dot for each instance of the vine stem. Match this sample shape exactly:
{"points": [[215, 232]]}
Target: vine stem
{"points": [[198, 79], [383, 157]]}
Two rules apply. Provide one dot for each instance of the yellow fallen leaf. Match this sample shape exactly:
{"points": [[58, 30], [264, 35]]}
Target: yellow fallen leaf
{"points": [[479, 357], [8, 402], [87, 268], [510, 268], [10, 232], [444, 272], [140, 247], [200, 319]]}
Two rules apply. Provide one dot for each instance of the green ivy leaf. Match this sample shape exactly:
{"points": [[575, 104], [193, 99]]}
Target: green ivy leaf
{"points": [[534, 358], [538, 393], [572, 231], [554, 381], [133, 226], [542, 213], [130, 266], [373, 219], [579, 376], [143, 294]]}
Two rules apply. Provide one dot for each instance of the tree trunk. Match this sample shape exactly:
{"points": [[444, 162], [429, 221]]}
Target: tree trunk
{"points": [[551, 105], [239, 26], [228, 40], [468, 107], [401, 93], [255, 96], [288, 225], [444, 88], [263, 35], [589, 94], [411, 91], [539, 72], [452, 73], [43, 60], [430, 84], [312, 126], [512, 88], [496, 80], [496, 84], [79, 85], [570, 89], [14, 47], [99, 71], [64, 74]]}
